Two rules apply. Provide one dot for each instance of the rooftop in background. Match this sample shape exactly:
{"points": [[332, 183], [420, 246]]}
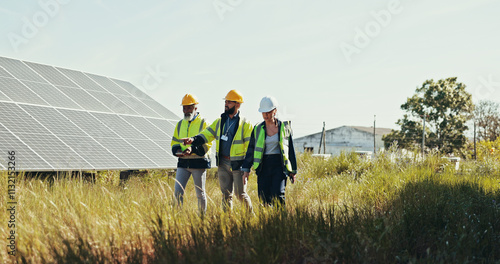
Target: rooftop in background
{"points": [[378, 130], [345, 138]]}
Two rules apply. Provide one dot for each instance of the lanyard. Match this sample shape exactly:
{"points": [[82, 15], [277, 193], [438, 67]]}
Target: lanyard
{"points": [[228, 127]]}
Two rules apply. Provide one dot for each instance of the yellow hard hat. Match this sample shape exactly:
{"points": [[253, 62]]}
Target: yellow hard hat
{"points": [[189, 99], [234, 95]]}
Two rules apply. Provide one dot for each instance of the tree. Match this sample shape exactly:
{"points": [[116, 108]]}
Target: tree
{"points": [[446, 106], [408, 137], [487, 118]]}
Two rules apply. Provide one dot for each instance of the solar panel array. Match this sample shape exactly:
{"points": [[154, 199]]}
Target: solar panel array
{"points": [[58, 119]]}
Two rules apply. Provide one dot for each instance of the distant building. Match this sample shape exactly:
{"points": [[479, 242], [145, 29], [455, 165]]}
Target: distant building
{"points": [[345, 138]]}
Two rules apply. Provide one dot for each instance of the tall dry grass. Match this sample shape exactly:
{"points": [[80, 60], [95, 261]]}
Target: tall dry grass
{"points": [[393, 209]]}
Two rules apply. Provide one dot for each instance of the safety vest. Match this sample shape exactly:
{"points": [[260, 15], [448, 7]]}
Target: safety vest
{"points": [[240, 142], [260, 144], [185, 129]]}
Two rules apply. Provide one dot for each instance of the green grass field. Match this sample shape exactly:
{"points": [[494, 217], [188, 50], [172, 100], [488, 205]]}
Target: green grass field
{"points": [[340, 210]]}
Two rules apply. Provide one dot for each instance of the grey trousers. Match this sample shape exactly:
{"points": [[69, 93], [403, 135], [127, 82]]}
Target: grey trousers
{"points": [[229, 178], [199, 178]]}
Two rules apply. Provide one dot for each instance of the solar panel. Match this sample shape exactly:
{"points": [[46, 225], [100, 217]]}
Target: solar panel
{"points": [[51, 95], [82, 96], [147, 128], [18, 92], [119, 126], [93, 152], [17, 120], [4, 73], [165, 144], [4, 97], [88, 123], [19, 70], [112, 102], [51, 74], [138, 106], [131, 89], [82, 80], [160, 109], [150, 149], [164, 125], [54, 151], [107, 84], [127, 153], [60, 119], [51, 119], [25, 157]]}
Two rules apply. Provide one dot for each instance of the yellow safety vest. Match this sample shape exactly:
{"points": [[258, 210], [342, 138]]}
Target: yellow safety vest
{"points": [[260, 144], [240, 142], [185, 129]]}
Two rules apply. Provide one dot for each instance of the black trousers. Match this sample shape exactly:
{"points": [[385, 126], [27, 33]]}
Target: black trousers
{"points": [[271, 180]]}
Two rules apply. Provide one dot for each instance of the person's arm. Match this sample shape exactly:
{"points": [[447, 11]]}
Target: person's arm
{"points": [[208, 144], [198, 150], [201, 150], [248, 161], [292, 158], [175, 144], [205, 136], [291, 155]]}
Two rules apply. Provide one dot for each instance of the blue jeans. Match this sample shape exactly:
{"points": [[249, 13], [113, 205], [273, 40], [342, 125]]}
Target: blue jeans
{"points": [[271, 181], [199, 178]]}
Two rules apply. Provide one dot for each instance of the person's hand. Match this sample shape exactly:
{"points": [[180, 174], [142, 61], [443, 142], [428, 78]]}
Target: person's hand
{"points": [[187, 141], [292, 177], [245, 177], [187, 152]]}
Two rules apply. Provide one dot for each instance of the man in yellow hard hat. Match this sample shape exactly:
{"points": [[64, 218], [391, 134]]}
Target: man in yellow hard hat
{"points": [[193, 160], [232, 134]]}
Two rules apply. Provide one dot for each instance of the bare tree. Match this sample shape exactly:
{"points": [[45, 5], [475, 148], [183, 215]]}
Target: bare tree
{"points": [[487, 118]]}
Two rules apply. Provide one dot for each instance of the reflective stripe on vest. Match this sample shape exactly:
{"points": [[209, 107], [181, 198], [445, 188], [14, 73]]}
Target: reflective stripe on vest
{"points": [[240, 142], [260, 144], [189, 129]]}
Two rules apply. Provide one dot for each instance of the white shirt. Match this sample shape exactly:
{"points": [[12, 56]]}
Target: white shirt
{"points": [[272, 144]]}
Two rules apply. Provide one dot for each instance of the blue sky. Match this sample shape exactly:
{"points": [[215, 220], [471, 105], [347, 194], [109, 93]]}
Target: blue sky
{"points": [[341, 62]]}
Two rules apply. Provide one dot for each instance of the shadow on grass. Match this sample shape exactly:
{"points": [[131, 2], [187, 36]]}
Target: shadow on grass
{"points": [[427, 223], [459, 223]]}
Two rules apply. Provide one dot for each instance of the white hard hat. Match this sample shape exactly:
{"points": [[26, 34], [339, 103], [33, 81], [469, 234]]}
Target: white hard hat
{"points": [[268, 103]]}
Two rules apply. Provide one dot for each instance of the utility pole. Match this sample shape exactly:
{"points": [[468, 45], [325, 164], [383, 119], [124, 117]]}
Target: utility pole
{"points": [[322, 139], [374, 141], [475, 153], [423, 138]]}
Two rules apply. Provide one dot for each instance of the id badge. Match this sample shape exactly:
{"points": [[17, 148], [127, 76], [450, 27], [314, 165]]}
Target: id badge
{"points": [[224, 137]]}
